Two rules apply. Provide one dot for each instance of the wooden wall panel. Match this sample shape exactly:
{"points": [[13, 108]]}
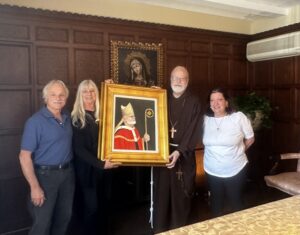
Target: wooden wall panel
{"points": [[10, 167], [150, 39], [88, 37], [13, 209], [238, 73], [12, 55], [176, 45], [14, 31], [283, 71], [239, 50], [262, 74], [297, 70], [21, 104], [89, 65], [284, 103], [220, 72], [283, 134], [221, 49], [51, 34], [121, 37], [278, 80], [200, 71], [52, 63], [297, 106], [203, 47]]}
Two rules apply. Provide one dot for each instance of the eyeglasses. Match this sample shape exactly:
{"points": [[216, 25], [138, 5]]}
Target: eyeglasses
{"points": [[178, 79]]}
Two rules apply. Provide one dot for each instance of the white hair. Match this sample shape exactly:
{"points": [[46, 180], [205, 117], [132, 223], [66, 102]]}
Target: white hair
{"points": [[50, 84]]}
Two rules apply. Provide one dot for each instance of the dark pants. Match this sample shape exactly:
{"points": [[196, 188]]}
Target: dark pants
{"points": [[95, 212], [230, 188], [54, 215], [90, 211], [92, 203], [171, 204]]}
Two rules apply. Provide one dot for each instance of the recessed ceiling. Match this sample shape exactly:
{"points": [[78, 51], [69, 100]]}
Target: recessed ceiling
{"points": [[241, 9]]}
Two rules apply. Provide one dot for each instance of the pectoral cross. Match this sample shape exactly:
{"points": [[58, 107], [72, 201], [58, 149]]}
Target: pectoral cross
{"points": [[179, 174], [173, 130]]}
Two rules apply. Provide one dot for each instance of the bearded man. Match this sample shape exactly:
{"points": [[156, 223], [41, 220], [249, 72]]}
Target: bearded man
{"points": [[127, 135], [174, 184]]}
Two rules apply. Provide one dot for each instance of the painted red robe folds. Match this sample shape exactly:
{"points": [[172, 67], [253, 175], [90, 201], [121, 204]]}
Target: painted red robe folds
{"points": [[128, 138]]}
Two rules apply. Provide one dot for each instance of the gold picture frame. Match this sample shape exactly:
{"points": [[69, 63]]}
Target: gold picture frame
{"points": [[116, 138], [150, 57]]}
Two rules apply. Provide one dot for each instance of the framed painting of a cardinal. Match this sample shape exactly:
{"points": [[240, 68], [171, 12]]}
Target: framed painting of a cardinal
{"points": [[134, 127]]}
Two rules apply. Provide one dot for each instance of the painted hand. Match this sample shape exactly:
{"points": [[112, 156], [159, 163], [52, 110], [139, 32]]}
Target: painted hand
{"points": [[146, 137]]}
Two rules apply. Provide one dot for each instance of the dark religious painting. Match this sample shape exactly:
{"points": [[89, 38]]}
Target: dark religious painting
{"points": [[138, 64]]}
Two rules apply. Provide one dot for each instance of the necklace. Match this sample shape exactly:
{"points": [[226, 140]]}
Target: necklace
{"points": [[218, 124]]}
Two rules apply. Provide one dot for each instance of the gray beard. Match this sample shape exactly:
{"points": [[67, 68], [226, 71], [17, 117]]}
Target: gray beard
{"points": [[177, 89]]}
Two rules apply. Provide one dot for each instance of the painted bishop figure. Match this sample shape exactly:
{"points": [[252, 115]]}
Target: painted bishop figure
{"points": [[127, 136]]}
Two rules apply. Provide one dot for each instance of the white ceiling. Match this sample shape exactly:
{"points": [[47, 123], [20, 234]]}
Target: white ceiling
{"points": [[241, 9]]}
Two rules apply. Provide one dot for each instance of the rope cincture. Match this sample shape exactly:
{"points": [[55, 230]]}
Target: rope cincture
{"points": [[151, 200]]}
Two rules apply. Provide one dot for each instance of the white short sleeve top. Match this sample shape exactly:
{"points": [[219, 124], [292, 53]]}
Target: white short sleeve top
{"points": [[223, 139]]}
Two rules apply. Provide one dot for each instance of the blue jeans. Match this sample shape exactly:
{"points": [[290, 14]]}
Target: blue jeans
{"points": [[54, 215]]}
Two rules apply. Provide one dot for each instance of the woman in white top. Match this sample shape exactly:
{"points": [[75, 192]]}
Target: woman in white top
{"points": [[227, 135]]}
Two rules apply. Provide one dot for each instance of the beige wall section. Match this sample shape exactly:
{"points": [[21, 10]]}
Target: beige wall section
{"points": [[140, 12], [264, 25], [124, 9]]}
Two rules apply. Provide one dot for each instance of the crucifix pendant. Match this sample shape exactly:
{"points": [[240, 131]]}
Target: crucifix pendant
{"points": [[173, 130]]}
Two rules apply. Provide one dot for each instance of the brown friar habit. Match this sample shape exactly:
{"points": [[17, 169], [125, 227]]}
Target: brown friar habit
{"points": [[173, 190]]}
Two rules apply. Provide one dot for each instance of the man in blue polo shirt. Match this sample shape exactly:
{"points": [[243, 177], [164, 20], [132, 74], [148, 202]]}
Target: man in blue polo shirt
{"points": [[45, 157]]}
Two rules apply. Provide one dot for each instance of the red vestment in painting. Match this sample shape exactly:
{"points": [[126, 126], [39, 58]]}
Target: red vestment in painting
{"points": [[128, 138]]}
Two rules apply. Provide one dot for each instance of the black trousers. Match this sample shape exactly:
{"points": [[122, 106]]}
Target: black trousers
{"points": [[230, 188], [93, 202]]}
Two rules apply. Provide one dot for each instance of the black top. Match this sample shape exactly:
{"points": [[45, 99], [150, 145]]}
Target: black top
{"points": [[186, 117], [85, 147]]}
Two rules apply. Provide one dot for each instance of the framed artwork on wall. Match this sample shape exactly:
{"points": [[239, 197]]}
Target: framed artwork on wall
{"points": [[137, 63], [134, 127]]}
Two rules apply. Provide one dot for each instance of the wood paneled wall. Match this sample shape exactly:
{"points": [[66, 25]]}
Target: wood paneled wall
{"points": [[37, 46], [279, 80]]}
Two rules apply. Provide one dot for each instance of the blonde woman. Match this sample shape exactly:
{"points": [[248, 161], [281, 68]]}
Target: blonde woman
{"points": [[89, 170]]}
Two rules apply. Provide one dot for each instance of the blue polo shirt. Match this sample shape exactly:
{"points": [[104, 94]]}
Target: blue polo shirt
{"points": [[48, 139]]}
